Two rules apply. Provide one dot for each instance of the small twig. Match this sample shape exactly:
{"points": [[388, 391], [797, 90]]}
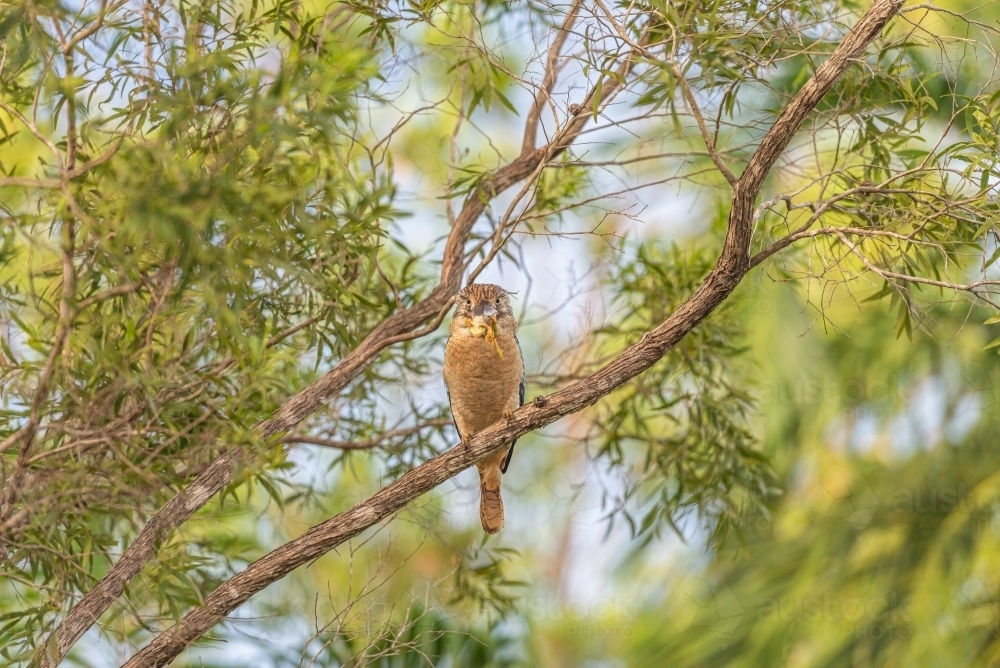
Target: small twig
{"points": [[959, 287], [368, 444], [705, 134], [117, 291], [548, 79]]}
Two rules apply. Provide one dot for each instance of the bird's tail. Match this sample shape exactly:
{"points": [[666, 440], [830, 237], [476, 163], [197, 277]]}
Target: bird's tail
{"points": [[490, 503]]}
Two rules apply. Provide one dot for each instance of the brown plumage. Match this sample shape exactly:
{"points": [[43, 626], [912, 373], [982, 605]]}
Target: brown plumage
{"points": [[485, 377]]}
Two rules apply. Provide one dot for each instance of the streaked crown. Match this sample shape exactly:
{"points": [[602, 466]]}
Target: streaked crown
{"points": [[483, 292], [474, 299]]}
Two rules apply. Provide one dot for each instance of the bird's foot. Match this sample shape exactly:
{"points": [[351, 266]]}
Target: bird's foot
{"points": [[508, 414]]}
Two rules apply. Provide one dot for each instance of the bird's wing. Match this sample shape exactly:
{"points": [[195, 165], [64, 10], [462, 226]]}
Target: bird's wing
{"points": [[447, 391], [521, 389]]}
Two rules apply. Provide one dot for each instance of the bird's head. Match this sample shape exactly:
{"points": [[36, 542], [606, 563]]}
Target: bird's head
{"points": [[481, 307]]}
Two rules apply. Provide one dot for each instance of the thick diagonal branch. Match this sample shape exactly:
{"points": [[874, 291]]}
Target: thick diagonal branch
{"points": [[732, 266]]}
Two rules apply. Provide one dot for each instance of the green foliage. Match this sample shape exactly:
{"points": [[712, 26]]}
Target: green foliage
{"points": [[202, 210], [882, 556], [425, 637], [227, 219], [681, 429]]}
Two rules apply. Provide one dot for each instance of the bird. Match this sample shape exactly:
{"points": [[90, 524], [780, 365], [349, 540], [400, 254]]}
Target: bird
{"points": [[484, 375]]}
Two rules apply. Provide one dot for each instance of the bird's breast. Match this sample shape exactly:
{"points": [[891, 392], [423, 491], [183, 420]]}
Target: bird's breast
{"points": [[482, 383]]}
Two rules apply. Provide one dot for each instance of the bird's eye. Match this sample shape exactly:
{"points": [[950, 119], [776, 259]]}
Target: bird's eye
{"points": [[468, 302], [498, 301]]}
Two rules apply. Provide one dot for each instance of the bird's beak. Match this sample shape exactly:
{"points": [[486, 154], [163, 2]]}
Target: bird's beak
{"points": [[485, 310]]}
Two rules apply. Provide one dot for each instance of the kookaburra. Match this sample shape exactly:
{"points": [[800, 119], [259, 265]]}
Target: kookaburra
{"points": [[484, 373]]}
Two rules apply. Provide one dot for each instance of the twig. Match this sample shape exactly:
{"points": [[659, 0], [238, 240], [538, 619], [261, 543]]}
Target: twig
{"points": [[367, 444]]}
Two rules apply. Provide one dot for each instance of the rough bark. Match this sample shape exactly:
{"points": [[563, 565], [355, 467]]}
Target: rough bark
{"points": [[732, 266]]}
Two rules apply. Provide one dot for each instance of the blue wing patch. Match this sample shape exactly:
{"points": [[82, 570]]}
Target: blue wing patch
{"points": [[506, 460], [450, 408]]}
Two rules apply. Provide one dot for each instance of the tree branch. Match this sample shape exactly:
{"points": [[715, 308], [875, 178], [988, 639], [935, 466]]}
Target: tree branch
{"points": [[548, 80], [366, 444], [707, 137], [890, 276], [399, 327], [29, 182], [732, 266]]}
